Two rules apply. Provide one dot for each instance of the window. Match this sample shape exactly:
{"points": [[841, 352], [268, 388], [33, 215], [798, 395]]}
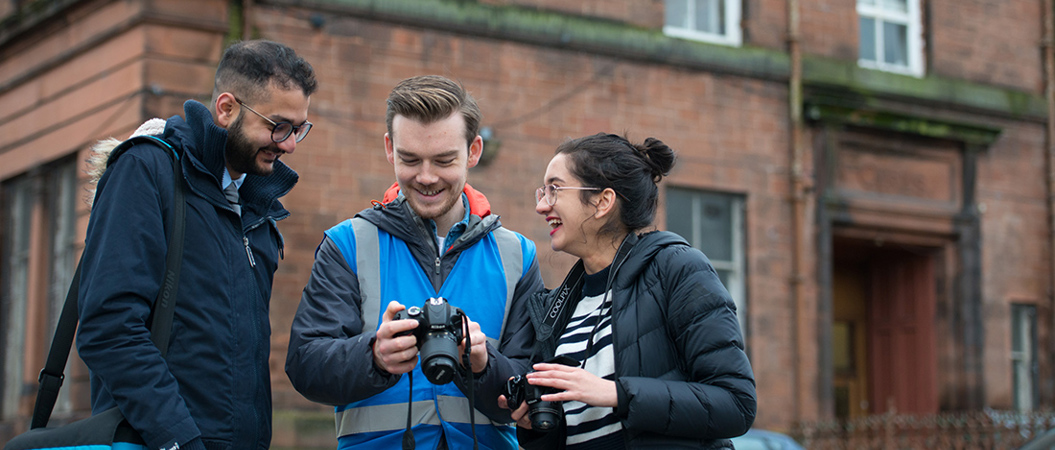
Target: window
{"points": [[890, 36], [1023, 355], [716, 21], [714, 223], [37, 259], [17, 212]]}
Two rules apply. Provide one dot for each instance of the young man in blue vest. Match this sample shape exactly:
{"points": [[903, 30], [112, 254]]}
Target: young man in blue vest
{"points": [[432, 236]]}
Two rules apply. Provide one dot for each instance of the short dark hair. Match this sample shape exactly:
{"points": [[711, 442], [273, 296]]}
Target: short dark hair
{"points": [[431, 98], [633, 171], [247, 68]]}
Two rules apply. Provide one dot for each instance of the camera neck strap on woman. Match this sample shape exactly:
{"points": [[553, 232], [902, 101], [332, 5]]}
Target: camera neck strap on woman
{"points": [[620, 257], [568, 295]]}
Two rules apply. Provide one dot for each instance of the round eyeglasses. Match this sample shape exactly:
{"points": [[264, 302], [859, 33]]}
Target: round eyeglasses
{"points": [[280, 131], [549, 192]]}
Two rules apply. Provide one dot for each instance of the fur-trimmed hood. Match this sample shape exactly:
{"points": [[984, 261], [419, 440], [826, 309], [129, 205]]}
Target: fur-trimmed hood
{"points": [[101, 153]]}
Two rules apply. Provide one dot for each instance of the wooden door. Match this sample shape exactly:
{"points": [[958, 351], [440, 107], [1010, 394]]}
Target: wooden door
{"points": [[902, 347]]}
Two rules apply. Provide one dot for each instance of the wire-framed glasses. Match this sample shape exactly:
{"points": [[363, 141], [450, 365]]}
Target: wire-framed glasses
{"points": [[280, 131], [549, 192]]}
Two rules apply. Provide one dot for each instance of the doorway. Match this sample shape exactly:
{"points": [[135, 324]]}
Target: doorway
{"points": [[883, 345]]}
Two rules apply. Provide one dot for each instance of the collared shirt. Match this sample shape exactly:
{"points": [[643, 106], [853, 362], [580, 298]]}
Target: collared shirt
{"points": [[227, 180], [456, 230]]}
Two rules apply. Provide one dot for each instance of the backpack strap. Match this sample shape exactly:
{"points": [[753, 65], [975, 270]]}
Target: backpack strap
{"points": [[52, 375]]}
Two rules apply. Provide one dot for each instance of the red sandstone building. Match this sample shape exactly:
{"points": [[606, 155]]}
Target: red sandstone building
{"points": [[872, 178]]}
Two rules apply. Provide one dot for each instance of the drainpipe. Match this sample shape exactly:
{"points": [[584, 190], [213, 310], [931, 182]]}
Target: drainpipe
{"points": [[798, 208], [1049, 139]]}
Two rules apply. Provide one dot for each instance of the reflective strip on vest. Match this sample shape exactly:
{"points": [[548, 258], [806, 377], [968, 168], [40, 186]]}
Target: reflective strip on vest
{"points": [[512, 265], [393, 417], [367, 256]]}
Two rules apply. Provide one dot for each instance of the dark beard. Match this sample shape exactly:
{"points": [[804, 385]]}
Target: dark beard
{"points": [[241, 154]]}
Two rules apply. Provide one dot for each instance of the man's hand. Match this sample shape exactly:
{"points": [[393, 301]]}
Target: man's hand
{"points": [[478, 351], [395, 355], [519, 414]]}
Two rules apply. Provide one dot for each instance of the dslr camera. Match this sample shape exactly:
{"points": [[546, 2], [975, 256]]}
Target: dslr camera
{"points": [[544, 415], [438, 332]]}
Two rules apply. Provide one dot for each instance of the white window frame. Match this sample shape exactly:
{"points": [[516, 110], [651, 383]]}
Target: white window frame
{"points": [[913, 28], [1023, 356], [733, 34], [737, 266]]}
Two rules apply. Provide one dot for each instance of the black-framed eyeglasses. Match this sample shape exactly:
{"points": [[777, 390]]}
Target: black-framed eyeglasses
{"points": [[280, 131], [549, 192]]}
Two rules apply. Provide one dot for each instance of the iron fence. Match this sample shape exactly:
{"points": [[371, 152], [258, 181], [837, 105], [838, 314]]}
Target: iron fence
{"points": [[987, 429]]}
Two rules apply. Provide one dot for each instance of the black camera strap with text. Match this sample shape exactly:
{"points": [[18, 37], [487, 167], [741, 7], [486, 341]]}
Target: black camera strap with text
{"points": [[568, 294]]}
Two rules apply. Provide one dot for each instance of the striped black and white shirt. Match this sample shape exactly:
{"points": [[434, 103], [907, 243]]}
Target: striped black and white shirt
{"points": [[592, 427]]}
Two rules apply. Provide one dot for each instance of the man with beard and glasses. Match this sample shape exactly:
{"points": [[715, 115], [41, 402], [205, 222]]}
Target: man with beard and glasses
{"points": [[433, 236], [213, 389]]}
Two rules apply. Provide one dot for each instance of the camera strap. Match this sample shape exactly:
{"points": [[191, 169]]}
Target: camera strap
{"points": [[620, 257], [467, 377], [568, 294]]}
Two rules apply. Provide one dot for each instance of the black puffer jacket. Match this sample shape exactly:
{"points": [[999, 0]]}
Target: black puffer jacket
{"points": [[682, 377]]}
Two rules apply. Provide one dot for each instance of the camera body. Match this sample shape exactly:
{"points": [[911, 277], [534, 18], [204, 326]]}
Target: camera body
{"points": [[544, 415], [438, 333]]}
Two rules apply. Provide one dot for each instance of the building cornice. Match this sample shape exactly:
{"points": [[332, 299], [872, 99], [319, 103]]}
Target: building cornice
{"points": [[35, 26], [621, 40]]}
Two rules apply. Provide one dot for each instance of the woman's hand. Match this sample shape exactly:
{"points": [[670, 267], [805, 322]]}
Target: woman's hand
{"points": [[519, 414], [576, 384]]}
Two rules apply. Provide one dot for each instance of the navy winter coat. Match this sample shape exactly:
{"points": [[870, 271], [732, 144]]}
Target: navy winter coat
{"points": [[682, 377], [215, 382]]}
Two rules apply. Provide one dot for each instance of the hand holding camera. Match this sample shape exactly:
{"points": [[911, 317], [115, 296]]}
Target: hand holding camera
{"points": [[544, 415], [438, 332], [394, 350]]}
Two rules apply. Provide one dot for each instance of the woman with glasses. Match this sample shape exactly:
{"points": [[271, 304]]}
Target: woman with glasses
{"points": [[657, 350]]}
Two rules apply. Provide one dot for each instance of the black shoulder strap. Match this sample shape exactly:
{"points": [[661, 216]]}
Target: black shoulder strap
{"points": [[51, 376]]}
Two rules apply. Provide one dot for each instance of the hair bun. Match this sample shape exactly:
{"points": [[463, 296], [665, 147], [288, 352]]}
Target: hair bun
{"points": [[659, 156]]}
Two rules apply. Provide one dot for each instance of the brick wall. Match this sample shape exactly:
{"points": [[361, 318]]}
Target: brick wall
{"points": [[988, 41], [731, 134]]}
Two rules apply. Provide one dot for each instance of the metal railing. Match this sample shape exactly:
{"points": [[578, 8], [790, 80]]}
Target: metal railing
{"points": [[987, 429]]}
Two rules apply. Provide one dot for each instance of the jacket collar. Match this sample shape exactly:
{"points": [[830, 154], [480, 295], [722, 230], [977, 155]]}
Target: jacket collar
{"points": [[397, 218], [646, 246], [204, 142]]}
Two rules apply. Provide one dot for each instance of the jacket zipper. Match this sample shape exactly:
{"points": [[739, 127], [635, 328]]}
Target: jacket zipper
{"points": [[248, 251], [437, 266]]}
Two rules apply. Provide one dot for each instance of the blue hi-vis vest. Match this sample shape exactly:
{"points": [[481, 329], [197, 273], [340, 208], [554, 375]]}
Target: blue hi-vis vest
{"points": [[481, 283]]}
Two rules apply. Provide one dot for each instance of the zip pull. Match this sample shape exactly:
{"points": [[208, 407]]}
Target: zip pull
{"points": [[249, 252], [437, 265]]}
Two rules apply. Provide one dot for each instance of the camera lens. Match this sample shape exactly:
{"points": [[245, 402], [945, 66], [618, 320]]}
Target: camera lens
{"points": [[545, 415], [439, 354]]}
